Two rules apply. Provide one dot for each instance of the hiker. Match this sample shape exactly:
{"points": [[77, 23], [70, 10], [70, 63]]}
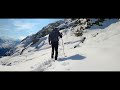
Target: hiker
{"points": [[54, 42]]}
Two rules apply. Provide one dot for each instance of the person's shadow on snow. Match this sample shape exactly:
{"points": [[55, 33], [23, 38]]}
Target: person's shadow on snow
{"points": [[74, 57]]}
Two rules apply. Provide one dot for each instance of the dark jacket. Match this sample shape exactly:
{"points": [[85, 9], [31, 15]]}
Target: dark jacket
{"points": [[54, 36]]}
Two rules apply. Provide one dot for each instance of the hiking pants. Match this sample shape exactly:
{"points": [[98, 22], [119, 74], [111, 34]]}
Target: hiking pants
{"points": [[54, 48]]}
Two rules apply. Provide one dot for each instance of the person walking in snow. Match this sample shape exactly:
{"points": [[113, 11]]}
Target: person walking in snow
{"points": [[54, 42]]}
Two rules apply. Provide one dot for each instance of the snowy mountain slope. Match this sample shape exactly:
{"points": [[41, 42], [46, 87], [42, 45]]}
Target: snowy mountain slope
{"points": [[98, 52]]}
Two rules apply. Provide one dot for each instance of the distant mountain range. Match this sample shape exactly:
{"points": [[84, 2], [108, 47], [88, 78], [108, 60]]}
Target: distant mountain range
{"points": [[6, 44]]}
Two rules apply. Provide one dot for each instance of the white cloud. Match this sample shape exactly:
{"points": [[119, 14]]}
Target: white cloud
{"points": [[24, 25]]}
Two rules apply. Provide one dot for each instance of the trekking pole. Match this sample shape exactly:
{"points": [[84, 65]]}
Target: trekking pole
{"points": [[63, 48]]}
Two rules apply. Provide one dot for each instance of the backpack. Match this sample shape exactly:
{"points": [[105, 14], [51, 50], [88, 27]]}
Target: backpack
{"points": [[54, 36]]}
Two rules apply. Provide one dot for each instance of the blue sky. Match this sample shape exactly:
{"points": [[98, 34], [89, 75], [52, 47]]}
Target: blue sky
{"points": [[20, 28]]}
